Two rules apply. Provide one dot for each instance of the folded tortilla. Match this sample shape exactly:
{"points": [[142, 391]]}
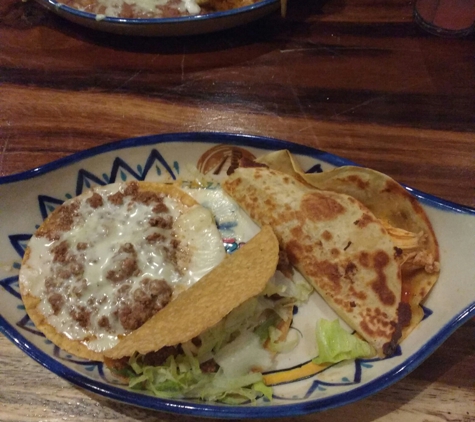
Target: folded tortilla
{"points": [[398, 210], [243, 275], [337, 244]]}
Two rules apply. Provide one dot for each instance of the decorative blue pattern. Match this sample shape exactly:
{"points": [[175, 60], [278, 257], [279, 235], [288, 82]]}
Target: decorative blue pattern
{"points": [[317, 168], [64, 364], [19, 242], [48, 204], [427, 312]]}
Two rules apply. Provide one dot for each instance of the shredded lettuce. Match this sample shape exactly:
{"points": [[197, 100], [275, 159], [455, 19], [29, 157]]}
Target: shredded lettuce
{"points": [[236, 344], [297, 289], [181, 377], [335, 344], [243, 318], [262, 330], [264, 389], [276, 345]]}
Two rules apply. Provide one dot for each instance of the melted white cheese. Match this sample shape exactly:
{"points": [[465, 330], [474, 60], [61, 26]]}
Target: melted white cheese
{"points": [[232, 221], [197, 228], [105, 229]]}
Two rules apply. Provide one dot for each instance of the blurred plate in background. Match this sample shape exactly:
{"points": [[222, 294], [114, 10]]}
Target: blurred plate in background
{"points": [[178, 26]]}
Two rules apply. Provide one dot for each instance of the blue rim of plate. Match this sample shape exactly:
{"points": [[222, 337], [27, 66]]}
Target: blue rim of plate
{"points": [[216, 410], [153, 21]]}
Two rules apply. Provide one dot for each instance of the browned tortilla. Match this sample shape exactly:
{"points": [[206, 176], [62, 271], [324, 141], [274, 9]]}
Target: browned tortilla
{"points": [[336, 243], [395, 207]]}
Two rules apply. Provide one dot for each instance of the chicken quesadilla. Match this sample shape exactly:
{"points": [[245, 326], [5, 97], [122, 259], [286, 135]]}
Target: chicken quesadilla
{"points": [[399, 211], [336, 243]]}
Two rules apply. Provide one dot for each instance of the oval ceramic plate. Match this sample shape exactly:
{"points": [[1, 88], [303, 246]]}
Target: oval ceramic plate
{"points": [[186, 25], [37, 192]]}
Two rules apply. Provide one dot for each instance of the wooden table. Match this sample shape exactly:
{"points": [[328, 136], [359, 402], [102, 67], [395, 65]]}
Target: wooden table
{"points": [[355, 78]]}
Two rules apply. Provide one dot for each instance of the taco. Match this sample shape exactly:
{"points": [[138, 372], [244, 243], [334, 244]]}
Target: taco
{"points": [[106, 261], [216, 338], [337, 244]]}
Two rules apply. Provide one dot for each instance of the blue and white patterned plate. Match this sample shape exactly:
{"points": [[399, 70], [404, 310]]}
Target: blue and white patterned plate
{"points": [[27, 198]]}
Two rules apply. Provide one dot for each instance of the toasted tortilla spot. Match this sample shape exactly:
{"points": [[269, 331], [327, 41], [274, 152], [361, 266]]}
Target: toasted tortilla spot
{"points": [[293, 249], [364, 221], [380, 286], [241, 276], [350, 269], [235, 183], [318, 207], [297, 232], [375, 322], [391, 187], [344, 304], [328, 270], [367, 329], [358, 181], [357, 294], [327, 235], [364, 259], [335, 251]]}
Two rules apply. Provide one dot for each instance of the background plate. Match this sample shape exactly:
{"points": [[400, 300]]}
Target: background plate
{"points": [[35, 193], [186, 25]]}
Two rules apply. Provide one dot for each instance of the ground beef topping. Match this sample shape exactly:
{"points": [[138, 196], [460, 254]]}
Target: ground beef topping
{"points": [[114, 258], [146, 301], [102, 260], [95, 201]]}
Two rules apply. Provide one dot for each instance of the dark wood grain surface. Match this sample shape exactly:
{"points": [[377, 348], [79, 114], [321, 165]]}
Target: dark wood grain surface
{"points": [[353, 77]]}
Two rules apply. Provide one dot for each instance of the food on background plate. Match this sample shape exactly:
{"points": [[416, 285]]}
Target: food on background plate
{"points": [[148, 9], [104, 262]]}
